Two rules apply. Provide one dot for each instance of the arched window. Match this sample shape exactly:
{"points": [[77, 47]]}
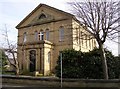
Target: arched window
{"points": [[82, 37], [61, 34], [36, 35], [47, 34], [32, 57], [49, 57], [86, 41], [41, 35], [42, 16], [25, 37]]}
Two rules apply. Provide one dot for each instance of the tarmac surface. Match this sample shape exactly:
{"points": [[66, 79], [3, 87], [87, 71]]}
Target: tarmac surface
{"points": [[18, 86], [8, 85]]}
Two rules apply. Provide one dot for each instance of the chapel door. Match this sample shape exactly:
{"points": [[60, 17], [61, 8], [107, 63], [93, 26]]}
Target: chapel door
{"points": [[32, 56]]}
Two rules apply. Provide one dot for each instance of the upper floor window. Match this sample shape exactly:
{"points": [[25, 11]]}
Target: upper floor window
{"points": [[42, 16], [82, 37], [89, 41], [36, 35], [47, 34], [41, 36], [24, 37], [86, 40], [92, 43], [61, 34]]}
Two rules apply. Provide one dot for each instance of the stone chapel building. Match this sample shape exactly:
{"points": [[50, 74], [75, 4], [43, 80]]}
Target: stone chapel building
{"points": [[44, 33]]}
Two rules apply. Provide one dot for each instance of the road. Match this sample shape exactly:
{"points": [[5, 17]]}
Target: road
{"points": [[19, 86]]}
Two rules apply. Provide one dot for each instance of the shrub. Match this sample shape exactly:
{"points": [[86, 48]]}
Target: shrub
{"points": [[70, 61], [3, 61], [77, 64]]}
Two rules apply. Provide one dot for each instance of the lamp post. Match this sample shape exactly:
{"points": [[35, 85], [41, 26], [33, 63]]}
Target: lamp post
{"points": [[1, 68], [61, 67]]}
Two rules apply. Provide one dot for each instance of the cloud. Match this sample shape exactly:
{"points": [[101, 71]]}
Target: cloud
{"points": [[18, 1]]}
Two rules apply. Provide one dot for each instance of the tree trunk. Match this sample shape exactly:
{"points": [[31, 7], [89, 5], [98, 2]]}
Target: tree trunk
{"points": [[16, 64], [104, 61], [17, 70]]}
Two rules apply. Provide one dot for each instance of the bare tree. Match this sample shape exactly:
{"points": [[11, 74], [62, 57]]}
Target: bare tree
{"points": [[12, 50], [101, 19], [119, 30]]}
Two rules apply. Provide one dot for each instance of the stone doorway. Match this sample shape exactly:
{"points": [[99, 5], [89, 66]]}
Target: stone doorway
{"points": [[32, 56]]}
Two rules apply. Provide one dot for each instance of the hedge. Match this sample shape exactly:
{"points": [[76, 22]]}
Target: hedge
{"points": [[77, 64]]}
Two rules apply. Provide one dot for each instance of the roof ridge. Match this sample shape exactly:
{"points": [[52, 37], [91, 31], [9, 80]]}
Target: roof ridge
{"points": [[57, 9], [36, 8]]}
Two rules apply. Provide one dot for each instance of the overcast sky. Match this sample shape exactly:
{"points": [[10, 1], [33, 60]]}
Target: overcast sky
{"points": [[13, 11]]}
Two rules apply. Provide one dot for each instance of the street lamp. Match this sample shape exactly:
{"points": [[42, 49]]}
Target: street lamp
{"points": [[61, 67]]}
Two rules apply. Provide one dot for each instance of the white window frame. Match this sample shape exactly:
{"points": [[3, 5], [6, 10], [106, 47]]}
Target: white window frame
{"points": [[41, 35]]}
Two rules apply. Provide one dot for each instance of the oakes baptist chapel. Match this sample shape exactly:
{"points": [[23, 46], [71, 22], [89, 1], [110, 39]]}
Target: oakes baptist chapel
{"points": [[44, 33]]}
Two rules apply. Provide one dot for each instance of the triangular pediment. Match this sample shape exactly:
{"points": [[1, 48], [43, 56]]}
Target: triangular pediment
{"points": [[43, 14], [42, 18]]}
